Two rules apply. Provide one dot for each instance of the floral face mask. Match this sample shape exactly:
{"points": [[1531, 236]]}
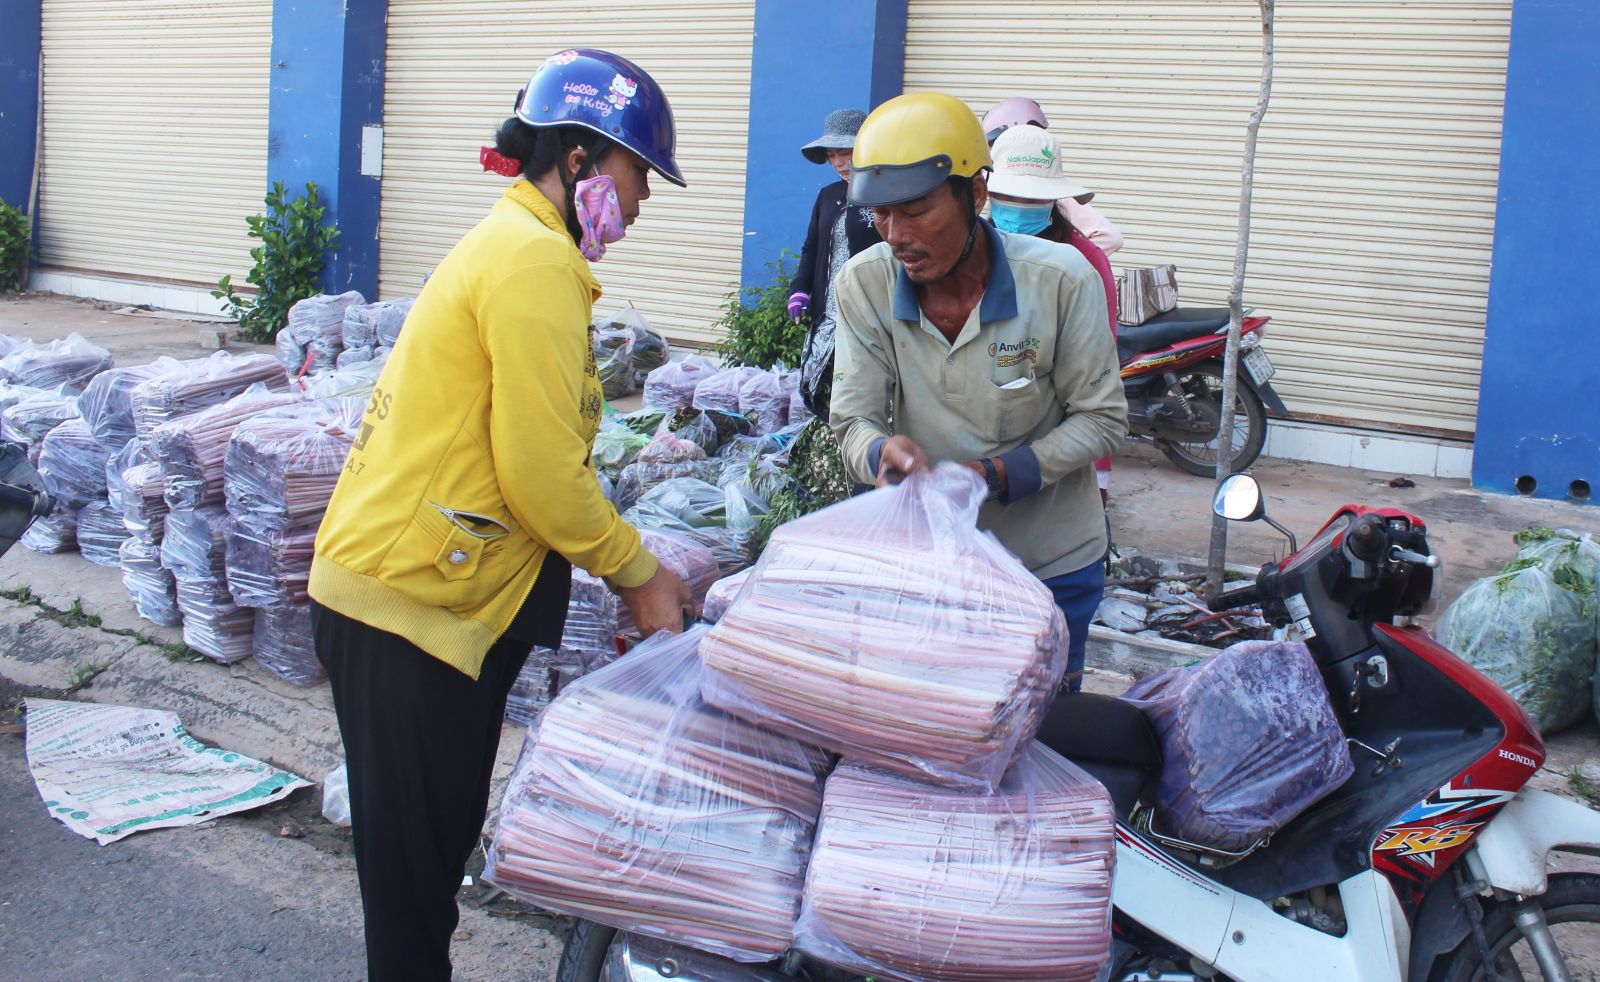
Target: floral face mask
{"points": [[599, 215]]}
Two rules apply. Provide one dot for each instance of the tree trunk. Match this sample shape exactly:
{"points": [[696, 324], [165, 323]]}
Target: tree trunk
{"points": [[1230, 369]]}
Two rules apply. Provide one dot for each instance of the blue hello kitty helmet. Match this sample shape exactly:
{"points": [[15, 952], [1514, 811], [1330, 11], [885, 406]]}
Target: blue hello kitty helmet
{"points": [[609, 95]]}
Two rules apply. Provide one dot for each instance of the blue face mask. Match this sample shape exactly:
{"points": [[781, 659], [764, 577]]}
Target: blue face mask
{"points": [[1021, 219]]}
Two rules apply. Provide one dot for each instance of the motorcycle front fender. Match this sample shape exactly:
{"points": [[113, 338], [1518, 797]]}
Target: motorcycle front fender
{"points": [[1514, 850], [1269, 396], [636, 959]]}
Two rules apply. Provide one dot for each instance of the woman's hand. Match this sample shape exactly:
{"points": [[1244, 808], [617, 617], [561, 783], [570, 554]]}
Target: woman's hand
{"points": [[898, 459], [798, 302], [662, 602]]}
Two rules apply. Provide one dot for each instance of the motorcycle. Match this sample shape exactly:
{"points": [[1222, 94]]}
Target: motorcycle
{"points": [[1429, 863], [1172, 377], [22, 495]]}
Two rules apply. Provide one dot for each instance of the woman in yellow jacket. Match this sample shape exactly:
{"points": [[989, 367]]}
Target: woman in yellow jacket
{"points": [[445, 552]]}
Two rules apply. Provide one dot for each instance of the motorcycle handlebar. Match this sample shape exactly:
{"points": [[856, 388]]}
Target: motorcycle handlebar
{"points": [[1242, 596]]}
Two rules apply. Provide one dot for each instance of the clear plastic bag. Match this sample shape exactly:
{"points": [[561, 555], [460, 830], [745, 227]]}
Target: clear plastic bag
{"points": [[589, 639], [910, 880], [197, 385], [351, 357], [195, 544], [613, 355], [1250, 741], [282, 465], [150, 585], [1533, 634], [889, 629], [32, 418], [70, 361], [354, 381], [615, 447], [72, 465], [1554, 548], [744, 509], [636, 805], [371, 325], [336, 797], [694, 509], [639, 478], [672, 386], [10, 395], [282, 644], [213, 624], [107, 402], [131, 453], [316, 327], [144, 502], [55, 532], [694, 564], [721, 390], [268, 567], [101, 534], [664, 448], [190, 449], [650, 348], [721, 595], [696, 426], [799, 412], [763, 398]]}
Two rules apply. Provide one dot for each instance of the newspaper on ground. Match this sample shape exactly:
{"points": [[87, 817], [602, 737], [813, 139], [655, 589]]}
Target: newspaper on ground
{"points": [[109, 771]]}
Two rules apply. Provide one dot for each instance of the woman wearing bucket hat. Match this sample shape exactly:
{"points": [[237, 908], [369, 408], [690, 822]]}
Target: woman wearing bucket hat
{"points": [[446, 551], [837, 231], [1024, 188], [1019, 111]]}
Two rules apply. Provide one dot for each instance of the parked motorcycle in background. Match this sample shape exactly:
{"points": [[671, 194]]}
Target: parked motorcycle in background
{"points": [[22, 494], [1172, 377]]}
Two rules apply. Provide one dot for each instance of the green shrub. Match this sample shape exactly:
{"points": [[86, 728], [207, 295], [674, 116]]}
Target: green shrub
{"points": [[756, 322], [288, 262], [16, 246]]}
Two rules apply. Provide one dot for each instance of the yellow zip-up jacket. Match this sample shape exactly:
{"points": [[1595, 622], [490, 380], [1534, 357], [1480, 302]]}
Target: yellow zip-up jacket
{"points": [[472, 463]]}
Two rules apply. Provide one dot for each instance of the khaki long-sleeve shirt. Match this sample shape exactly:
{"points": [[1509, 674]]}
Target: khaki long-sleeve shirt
{"points": [[1032, 378]]}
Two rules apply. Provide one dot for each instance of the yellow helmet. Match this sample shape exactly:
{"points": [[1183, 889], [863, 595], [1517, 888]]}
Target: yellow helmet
{"points": [[911, 144]]}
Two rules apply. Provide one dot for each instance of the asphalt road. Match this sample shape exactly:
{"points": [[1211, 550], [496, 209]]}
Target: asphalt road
{"points": [[233, 898]]}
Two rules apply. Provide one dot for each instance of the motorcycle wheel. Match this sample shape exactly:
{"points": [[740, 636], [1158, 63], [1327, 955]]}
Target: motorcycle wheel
{"points": [[583, 956], [1571, 908], [1202, 386]]}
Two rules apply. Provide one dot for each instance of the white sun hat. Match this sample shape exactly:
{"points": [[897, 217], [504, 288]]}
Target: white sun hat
{"points": [[1027, 164]]}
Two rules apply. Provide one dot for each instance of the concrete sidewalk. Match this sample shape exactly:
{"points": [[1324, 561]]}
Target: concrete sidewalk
{"points": [[75, 617]]}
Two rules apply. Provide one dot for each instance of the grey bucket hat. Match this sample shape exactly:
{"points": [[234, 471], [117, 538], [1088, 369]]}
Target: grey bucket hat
{"points": [[838, 133]]}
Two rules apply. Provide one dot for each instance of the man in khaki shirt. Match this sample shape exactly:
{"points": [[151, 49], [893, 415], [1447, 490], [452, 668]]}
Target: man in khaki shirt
{"points": [[960, 342]]}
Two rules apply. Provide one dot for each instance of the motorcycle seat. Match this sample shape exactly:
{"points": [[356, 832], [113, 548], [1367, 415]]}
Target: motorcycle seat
{"points": [[1178, 324], [1111, 739]]}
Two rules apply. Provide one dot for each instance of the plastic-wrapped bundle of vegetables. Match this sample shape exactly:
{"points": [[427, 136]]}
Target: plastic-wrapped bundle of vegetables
{"points": [[269, 567], [650, 349], [763, 398], [107, 403], [693, 562], [373, 325], [664, 448], [149, 584], [72, 465], [721, 595], [635, 804], [194, 548], [745, 510], [613, 355], [1531, 630], [721, 390], [910, 880], [694, 509], [695, 426], [70, 361], [197, 385], [282, 644], [1554, 548], [672, 386], [144, 505], [190, 449], [32, 418], [314, 335], [101, 533], [893, 605], [615, 447], [282, 465], [55, 532], [1250, 742]]}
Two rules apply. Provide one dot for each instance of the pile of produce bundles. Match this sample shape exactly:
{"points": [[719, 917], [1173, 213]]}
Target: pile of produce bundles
{"points": [[889, 629], [197, 385], [194, 548], [70, 361], [313, 338], [672, 385], [637, 805]]}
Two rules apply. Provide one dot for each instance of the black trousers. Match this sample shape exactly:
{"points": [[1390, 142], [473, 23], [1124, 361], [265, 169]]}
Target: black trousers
{"points": [[420, 740]]}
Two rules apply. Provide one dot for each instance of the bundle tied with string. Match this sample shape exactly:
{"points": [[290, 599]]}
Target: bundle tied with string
{"points": [[636, 805], [889, 629], [197, 385], [914, 881], [313, 336]]}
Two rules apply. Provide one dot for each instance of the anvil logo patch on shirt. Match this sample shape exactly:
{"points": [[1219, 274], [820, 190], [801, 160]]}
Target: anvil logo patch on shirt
{"points": [[1008, 355]]}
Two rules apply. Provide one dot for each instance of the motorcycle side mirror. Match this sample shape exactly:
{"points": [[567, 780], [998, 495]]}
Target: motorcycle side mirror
{"points": [[1239, 499]]}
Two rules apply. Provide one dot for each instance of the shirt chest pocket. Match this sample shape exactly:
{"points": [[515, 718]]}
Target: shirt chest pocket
{"points": [[1011, 411]]}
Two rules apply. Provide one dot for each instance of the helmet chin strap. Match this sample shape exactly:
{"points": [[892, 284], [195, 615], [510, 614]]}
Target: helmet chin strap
{"points": [[972, 232]]}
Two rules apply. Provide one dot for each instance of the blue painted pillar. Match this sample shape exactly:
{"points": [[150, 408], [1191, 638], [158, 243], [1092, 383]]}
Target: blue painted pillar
{"points": [[327, 85], [809, 59], [19, 100], [1538, 415]]}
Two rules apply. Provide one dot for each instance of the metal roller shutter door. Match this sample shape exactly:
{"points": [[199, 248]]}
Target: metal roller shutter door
{"points": [[453, 71], [1375, 181], [155, 135]]}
